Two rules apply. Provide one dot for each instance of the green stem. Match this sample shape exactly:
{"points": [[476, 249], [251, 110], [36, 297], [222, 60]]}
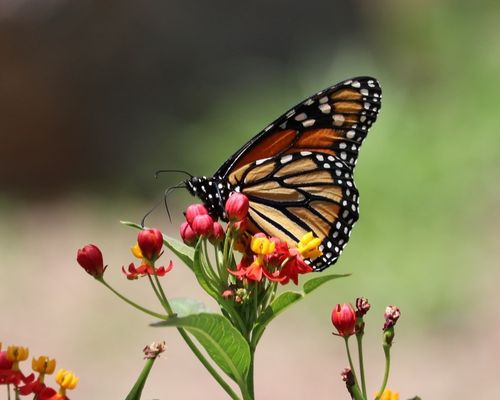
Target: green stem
{"points": [[351, 364], [135, 305], [356, 393], [8, 391], [387, 353], [163, 300], [136, 391], [359, 339], [250, 381]]}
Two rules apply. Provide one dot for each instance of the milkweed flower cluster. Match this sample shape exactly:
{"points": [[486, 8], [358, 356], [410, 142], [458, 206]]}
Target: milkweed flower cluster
{"points": [[262, 257], [25, 385], [241, 270]]}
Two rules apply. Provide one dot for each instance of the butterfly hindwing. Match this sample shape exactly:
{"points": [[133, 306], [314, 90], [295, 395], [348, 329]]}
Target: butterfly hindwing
{"points": [[293, 194]]}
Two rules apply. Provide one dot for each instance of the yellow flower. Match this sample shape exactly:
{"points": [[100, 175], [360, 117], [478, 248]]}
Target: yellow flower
{"points": [[308, 246], [261, 245], [43, 365], [17, 353], [66, 379], [389, 395], [136, 251]]}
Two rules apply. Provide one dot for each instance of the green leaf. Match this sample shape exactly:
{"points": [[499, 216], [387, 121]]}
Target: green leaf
{"points": [[183, 306], [182, 251], [223, 343], [276, 307], [285, 300], [136, 391], [315, 283]]}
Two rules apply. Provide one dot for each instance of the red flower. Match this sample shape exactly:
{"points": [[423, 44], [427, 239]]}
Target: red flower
{"points": [[90, 259], [134, 272], [187, 234], [150, 242], [253, 268], [34, 386], [344, 319], [193, 211], [237, 207], [293, 267], [50, 394], [203, 225]]}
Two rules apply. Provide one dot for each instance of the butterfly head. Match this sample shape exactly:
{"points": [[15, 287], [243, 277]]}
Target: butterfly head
{"points": [[213, 192]]}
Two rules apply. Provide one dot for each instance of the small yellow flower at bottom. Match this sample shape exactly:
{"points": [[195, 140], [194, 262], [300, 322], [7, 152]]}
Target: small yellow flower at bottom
{"points": [[43, 365], [389, 395], [66, 379], [308, 246]]}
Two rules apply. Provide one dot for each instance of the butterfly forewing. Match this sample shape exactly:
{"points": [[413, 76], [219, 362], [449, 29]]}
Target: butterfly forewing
{"points": [[333, 121]]}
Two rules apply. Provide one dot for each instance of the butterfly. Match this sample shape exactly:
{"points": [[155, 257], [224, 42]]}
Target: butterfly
{"points": [[298, 171]]}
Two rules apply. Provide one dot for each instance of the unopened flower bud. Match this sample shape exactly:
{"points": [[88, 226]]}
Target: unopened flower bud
{"points": [[150, 242], [391, 316], [344, 319], [362, 306], [154, 349], [193, 211], [203, 225], [218, 233], [187, 234], [90, 259], [237, 207]]}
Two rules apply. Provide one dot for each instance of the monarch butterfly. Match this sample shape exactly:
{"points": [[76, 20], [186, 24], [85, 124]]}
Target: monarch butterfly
{"points": [[298, 171]]}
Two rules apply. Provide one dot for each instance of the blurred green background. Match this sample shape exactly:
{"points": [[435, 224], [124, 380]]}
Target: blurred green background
{"points": [[95, 96]]}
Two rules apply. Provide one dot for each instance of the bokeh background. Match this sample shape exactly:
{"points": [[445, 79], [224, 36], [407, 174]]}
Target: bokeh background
{"points": [[97, 95]]}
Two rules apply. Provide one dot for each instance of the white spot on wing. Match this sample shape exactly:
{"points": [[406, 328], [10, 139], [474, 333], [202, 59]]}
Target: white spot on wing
{"points": [[286, 159], [261, 161], [300, 117], [325, 108], [308, 122], [338, 119]]}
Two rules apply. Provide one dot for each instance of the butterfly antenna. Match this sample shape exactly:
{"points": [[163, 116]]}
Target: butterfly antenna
{"points": [[161, 171], [164, 200], [167, 192]]}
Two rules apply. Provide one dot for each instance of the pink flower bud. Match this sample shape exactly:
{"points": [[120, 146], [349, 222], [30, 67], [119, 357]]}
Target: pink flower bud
{"points": [[344, 319], [187, 234], [362, 306], [193, 211], [150, 242], [203, 225], [391, 316], [237, 207], [90, 259], [218, 233]]}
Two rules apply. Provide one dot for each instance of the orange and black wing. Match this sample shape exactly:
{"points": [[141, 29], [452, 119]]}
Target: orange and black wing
{"points": [[333, 121], [297, 173]]}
